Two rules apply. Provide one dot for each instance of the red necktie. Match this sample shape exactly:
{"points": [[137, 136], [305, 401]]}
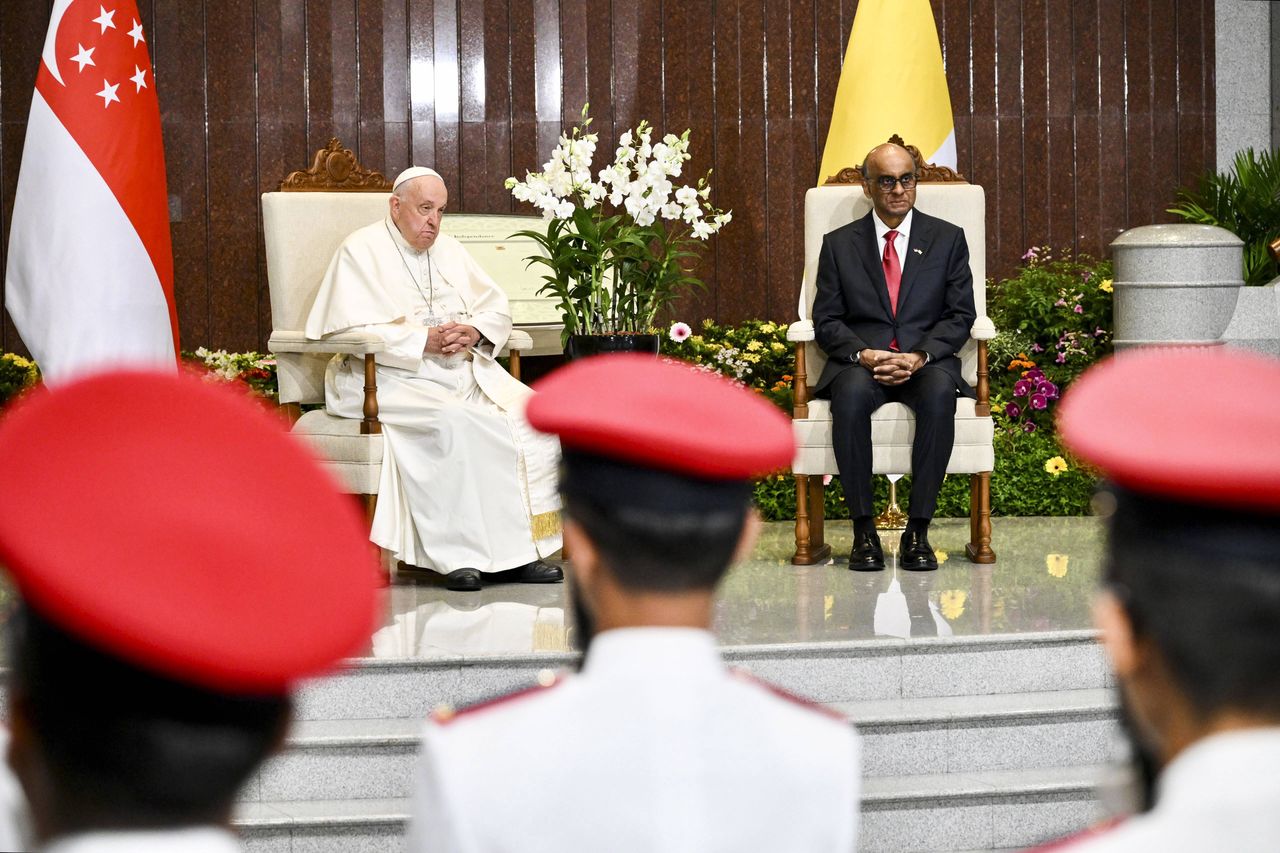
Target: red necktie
{"points": [[892, 276]]}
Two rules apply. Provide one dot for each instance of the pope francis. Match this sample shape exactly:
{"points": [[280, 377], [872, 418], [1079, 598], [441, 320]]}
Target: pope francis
{"points": [[467, 488]]}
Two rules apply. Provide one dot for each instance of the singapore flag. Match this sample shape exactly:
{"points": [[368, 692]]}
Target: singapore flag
{"points": [[89, 281]]}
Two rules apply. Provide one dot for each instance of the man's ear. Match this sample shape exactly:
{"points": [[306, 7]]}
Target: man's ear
{"points": [[747, 538], [586, 557], [1118, 639], [866, 186]]}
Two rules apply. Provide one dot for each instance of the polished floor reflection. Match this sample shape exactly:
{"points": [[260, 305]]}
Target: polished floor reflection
{"points": [[1043, 581]]}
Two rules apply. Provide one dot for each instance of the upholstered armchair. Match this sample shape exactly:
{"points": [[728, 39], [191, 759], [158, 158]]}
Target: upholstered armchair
{"points": [[303, 225], [942, 193]]}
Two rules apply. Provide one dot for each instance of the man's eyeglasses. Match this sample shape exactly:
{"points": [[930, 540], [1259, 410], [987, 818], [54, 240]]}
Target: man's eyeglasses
{"points": [[887, 182]]}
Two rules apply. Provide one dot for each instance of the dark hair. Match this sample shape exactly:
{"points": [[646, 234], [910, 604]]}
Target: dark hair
{"points": [[1203, 585], [126, 747], [648, 549]]}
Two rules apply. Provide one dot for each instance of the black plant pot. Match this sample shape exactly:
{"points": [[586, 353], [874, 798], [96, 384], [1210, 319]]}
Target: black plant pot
{"points": [[582, 346]]}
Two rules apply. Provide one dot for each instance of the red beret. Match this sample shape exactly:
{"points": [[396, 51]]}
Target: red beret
{"points": [[1187, 424], [665, 414], [173, 523]]}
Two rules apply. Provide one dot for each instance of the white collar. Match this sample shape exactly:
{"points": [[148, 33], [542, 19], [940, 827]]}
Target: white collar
{"points": [[198, 839], [903, 229], [1232, 766], [630, 651]]}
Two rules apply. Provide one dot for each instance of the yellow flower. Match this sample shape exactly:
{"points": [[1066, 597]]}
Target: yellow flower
{"points": [[777, 347], [768, 327], [941, 556], [751, 357], [951, 602], [1056, 465], [753, 346], [696, 339], [1105, 285], [1056, 564]]}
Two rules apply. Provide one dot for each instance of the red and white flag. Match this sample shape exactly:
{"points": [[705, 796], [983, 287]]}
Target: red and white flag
{"points": [[89, 281]]}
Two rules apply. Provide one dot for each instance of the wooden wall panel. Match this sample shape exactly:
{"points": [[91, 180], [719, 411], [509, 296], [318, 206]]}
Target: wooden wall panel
{"points": [[1079, 117]]}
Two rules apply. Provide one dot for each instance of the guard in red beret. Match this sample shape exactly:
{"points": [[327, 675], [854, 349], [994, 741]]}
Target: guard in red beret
{"points": [[1189, 442], [655, 745], [182, 563]]}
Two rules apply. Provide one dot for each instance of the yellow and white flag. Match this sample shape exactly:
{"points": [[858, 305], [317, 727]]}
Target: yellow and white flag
{"points": [[892, 82]]}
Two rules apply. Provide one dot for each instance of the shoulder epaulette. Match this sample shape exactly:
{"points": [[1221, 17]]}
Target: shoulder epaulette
{"points": [[445, 714], [808, 704], [1064, 844]]}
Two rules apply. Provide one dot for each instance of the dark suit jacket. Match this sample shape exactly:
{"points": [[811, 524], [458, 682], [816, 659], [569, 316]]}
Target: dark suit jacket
{"points": [[935, 301]]}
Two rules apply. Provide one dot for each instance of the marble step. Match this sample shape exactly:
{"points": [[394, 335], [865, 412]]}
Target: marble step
{"points": [[938, 812], [373, 759], [825, 672]]}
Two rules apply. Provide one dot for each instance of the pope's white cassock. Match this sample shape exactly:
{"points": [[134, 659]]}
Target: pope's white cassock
{"points": [[466, 482]]}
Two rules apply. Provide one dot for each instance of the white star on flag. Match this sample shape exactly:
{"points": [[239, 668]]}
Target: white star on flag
{"points": [[90, 285], [108, 93], [84, 57], [106, 19]]}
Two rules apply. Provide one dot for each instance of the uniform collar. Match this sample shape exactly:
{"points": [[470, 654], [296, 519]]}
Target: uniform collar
{"points": [[630, 651], [904, 227], [200, 839], [1238, 765]]}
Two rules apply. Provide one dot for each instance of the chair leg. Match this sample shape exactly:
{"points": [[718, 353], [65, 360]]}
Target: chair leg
{"points": [[810, 547], [370, 503], [979, 548]]}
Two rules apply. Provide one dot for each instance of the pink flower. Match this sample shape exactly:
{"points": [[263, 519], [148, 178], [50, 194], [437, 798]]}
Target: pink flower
{"points": [[1030, 255], [1062, 358], [1061, 303], [1039, 402], [1012, 410], [679, 332], [1078, 309], [1037, 348], [1029, 426], [1022, 388], [1097, 333], [826, 479]]}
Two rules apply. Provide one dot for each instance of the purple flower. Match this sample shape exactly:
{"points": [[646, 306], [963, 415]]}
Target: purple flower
{"points": [[1037, 348], [1035, 374], [1078, 309], [1084, 276], [1098, 333], [1029, 426], [1047, 388], [1012, 410], [1039, 402], [1062, 358], [1022, 388]]}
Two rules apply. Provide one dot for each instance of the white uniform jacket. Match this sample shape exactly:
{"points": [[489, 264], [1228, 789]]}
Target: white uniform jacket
{"points": [[201, 839], [1221, 794], [656, 747]]}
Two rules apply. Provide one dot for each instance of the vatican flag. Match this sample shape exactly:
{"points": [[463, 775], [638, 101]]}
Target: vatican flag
{"points": [[892, 82]]}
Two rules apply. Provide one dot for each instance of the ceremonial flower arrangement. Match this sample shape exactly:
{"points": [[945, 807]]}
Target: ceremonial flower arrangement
{"points": [[755, 353], [253, 369], [620, 241], [17, 374]]}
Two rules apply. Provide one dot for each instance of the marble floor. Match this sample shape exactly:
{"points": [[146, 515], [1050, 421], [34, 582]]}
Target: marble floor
{"points": [[1043, 580]]}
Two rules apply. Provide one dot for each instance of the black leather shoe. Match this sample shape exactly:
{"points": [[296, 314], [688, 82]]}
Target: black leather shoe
{"points": [[463, 580], [539, 572], [917, 554], [867, 555]]}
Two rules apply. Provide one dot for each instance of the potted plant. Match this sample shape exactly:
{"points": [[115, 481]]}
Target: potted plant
{"points": [[617, 246]]}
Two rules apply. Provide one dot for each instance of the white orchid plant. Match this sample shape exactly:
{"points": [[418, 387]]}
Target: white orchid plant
{"points": [[617, 244]]}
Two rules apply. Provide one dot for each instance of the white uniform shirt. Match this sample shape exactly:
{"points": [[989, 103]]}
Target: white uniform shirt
{"points": [[656, 747], [1221, 794], [202, 839]]}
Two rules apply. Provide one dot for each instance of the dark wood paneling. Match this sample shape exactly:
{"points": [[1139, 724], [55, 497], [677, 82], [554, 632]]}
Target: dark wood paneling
{"points": [[1079, 117]]}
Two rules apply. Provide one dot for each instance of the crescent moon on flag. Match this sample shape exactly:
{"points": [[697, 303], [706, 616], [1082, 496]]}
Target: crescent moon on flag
{"points": [[49, 58]]}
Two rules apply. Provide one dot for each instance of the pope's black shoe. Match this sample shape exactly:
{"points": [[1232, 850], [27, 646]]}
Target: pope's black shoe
{"points": [[463, 580], [916, 554], [539, 572], [867, 555]]}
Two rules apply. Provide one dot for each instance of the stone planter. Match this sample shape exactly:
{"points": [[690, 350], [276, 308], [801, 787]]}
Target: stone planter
{"points": [[1175, 284]]}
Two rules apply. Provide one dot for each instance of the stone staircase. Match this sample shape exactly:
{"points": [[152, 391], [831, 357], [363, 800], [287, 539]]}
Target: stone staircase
{"points": [[983, 743]]}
